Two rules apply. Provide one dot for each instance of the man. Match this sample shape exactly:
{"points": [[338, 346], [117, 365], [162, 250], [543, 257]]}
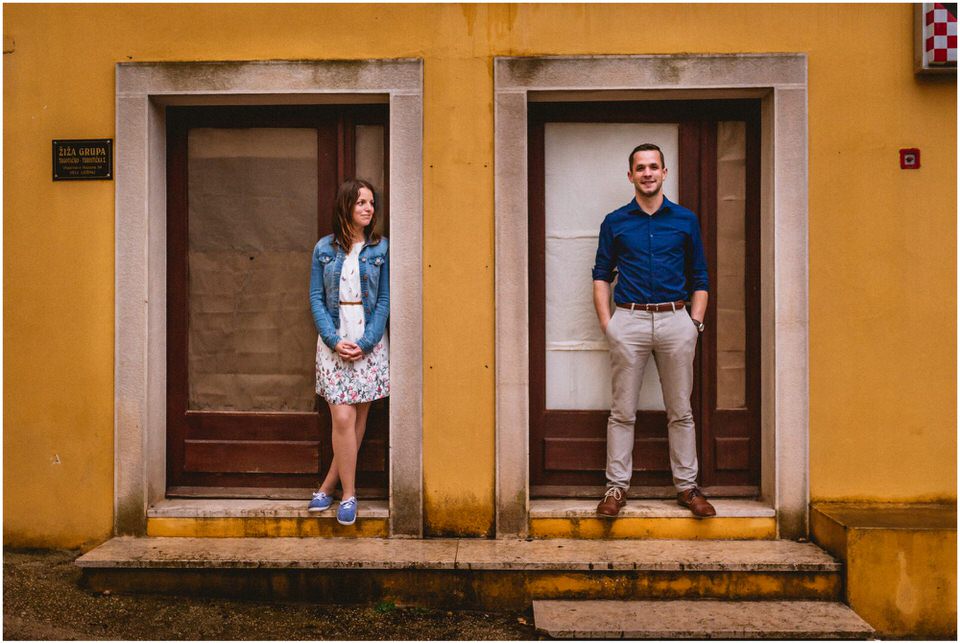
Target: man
{"points": [[655, 247]]}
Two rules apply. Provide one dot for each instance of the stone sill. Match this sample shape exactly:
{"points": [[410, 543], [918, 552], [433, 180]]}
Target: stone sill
{"points": [[255, 508], [587, 508]]}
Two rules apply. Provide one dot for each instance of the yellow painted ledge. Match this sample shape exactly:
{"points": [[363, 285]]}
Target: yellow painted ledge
{"points": [[266, 527], [719, 528], [901, 564]]}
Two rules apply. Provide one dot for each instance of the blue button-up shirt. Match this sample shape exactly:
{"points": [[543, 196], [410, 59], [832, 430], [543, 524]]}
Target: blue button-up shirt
{"points": [[659, 256]]}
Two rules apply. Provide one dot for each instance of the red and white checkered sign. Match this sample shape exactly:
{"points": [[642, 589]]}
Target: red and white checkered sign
{"points": [[940, 34]]}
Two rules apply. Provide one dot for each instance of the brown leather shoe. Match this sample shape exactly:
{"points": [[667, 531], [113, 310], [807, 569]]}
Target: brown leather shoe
{"points": [[694, 500], [613, 501]]}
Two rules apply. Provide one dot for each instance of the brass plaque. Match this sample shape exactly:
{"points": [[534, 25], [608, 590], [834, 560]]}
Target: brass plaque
{"points": [[87, 159]]}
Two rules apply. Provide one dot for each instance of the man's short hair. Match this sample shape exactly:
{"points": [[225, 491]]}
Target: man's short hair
{"points": [[646, 147]]}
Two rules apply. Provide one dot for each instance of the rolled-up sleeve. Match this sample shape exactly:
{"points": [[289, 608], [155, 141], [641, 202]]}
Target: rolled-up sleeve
{"points": [[605, 266], [697, 261]]}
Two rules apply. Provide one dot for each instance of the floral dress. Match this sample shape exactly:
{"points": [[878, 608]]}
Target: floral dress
{"points": [[367, 379]]}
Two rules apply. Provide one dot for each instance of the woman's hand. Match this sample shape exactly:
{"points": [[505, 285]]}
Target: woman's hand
{"points": [[348, 351]]}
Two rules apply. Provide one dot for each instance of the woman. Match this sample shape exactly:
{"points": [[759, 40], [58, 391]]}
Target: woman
{"points": [[350, 299]]}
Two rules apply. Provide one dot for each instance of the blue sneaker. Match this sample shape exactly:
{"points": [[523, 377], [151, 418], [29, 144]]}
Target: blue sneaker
{"points": [[320, 502], [347, 512]]}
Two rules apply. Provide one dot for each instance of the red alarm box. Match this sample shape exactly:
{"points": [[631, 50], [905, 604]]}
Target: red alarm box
{"points": [[910, 159]]}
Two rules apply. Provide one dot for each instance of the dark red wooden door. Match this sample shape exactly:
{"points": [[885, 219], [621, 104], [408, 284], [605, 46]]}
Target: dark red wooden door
{"points": [[568, 445], [250, 190]]}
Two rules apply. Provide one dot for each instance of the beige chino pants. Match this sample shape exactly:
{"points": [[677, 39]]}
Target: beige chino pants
{"points": [[671, 338]]}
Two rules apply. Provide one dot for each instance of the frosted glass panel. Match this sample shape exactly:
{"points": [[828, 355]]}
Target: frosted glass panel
{"points": [[368, 156], [585, 167], [584, 376], [252, 224], [731, 267]]}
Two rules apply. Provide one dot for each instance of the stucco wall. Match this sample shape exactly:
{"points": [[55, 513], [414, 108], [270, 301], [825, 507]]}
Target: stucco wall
{"points": [[882, 240]]}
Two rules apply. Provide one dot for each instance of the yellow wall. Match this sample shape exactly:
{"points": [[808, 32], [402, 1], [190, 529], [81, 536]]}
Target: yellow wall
{"points": [[882, 376]]}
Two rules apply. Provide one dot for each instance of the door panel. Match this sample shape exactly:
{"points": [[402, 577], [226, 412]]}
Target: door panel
{"points": [[252, 218], [731, 392], [250, 190], [730, 280], [578, 162]]}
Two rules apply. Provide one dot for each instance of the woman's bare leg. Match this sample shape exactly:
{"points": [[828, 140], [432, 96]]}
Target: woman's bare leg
{"points": [[344, 418], [343, 413], [363, 410], [329, 483]]}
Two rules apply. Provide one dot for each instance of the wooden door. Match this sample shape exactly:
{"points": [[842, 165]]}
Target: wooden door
{"points": [[571, 146], [250, 190]]}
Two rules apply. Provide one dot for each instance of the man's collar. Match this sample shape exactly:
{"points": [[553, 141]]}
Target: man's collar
{"points": [[633, 206]]}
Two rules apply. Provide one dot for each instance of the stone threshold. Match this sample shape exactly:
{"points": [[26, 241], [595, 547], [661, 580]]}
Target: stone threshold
{"points": [[255, 508], [649, 508], [539, 508], [460, 554]]}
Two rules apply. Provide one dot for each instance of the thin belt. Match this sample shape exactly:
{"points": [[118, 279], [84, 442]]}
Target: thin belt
{"points": [[351, 303], [655, 308]]}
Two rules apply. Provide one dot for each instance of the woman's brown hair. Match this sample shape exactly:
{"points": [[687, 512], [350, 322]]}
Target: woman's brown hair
{"points": [[347, 195]]}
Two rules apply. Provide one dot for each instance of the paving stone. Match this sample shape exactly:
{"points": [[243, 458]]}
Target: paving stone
{"points": [[284, 553], [703, 619], [645, 555]]}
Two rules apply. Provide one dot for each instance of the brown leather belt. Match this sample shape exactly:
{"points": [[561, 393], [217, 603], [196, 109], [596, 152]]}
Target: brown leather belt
{"points": [[351, 303], [655, 308]]}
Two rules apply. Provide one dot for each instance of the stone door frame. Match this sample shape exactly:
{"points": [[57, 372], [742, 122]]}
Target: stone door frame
{"points": [[142, 92], [780, 82]]}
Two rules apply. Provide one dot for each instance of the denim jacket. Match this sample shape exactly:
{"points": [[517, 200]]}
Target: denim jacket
{"points": [[374, 289]]}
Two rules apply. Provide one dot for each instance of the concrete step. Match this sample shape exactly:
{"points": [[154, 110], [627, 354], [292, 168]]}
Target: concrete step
{"points": [[256, 518], [485, 574], [736, 519], [702, 619]]}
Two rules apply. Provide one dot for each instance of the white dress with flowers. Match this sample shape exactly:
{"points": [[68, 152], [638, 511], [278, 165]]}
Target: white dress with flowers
{"points": [[367, 379]]}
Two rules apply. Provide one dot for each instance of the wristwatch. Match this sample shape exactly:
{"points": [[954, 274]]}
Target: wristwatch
{"points": [[698, 324]]}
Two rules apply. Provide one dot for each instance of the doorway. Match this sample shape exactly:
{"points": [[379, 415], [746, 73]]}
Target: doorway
{"points": [[249, 191], [576, 174]]}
